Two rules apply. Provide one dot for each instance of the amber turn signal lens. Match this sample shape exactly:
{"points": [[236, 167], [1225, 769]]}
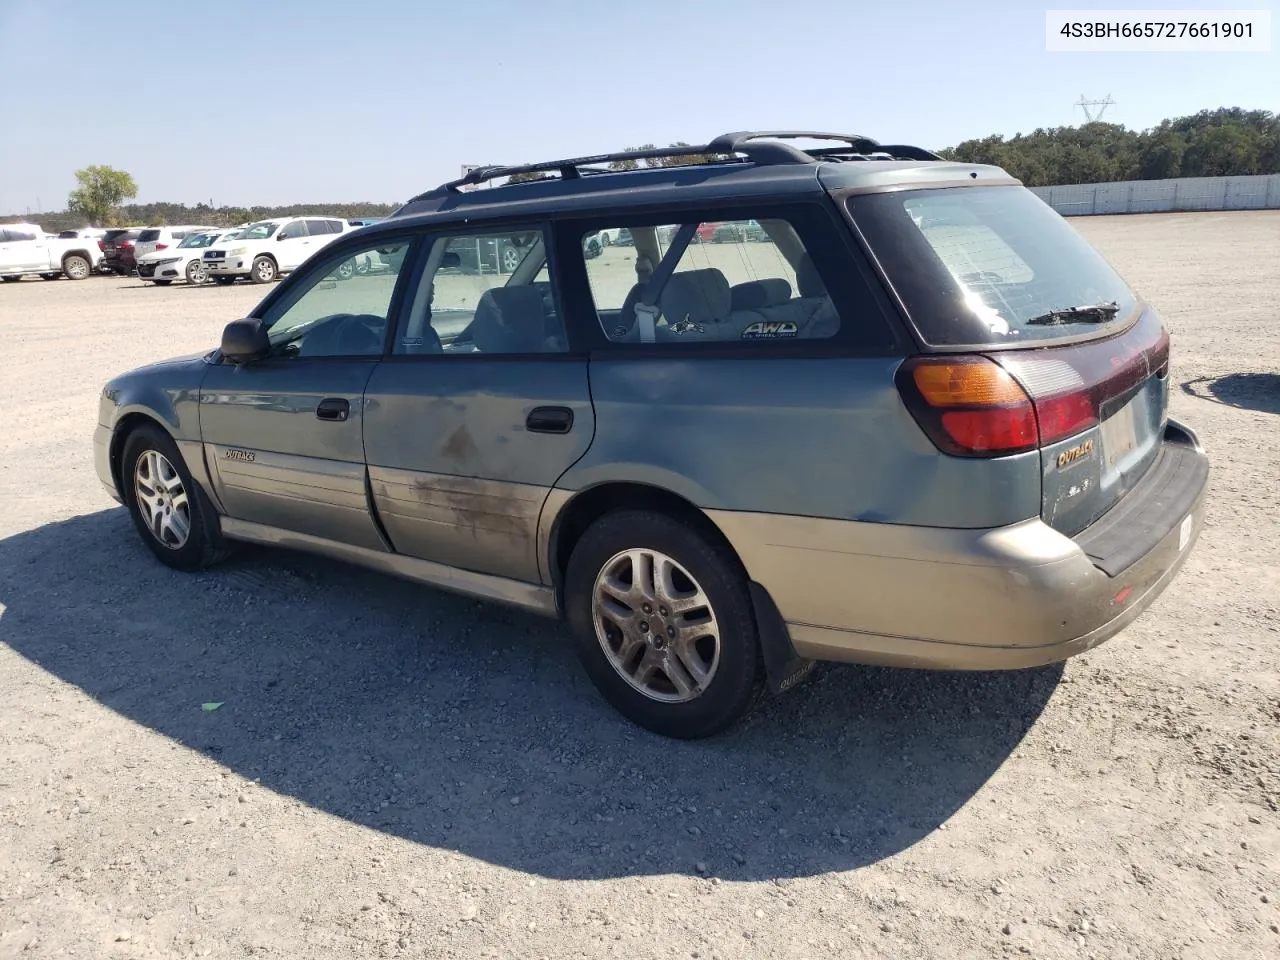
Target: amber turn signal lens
{"points": [[967, 384]]}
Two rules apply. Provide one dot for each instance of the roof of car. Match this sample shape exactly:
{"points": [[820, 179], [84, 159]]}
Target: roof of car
{"points": [[739, 166]]}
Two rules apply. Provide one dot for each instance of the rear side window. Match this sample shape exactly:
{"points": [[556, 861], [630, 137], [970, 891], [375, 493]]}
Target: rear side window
{"points": [[741, 280], [989, 265], [148, 236], [318, 228], [15, 234]]}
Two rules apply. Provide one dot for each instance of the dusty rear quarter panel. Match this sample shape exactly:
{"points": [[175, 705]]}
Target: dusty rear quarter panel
{"points": [[810, 437]]}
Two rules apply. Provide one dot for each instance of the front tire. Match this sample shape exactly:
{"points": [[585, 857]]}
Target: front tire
{"points": [[162, 283], [171, 513], [50, 276], [263, 270], [224, 281], [196, 273], [664, 624]]}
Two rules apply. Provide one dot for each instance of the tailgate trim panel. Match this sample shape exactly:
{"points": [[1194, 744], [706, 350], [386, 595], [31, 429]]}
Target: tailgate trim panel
{"points": [[1152, 509]]}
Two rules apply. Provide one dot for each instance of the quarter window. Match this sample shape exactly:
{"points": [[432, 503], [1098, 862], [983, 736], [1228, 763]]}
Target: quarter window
{"points": [[740, 280], [487, 292], [341, 309]]}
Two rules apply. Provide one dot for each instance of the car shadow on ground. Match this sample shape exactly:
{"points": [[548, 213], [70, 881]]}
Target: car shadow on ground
{"points": [[1246, 391], [470, 727]]}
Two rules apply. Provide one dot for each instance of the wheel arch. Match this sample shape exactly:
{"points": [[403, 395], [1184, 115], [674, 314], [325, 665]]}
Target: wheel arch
{"points": [[784, 669], [120, 434], [587, 505]]}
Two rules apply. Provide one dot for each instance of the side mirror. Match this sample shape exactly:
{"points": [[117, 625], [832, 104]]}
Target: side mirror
{"points": [[245, 340], [450, 260]]}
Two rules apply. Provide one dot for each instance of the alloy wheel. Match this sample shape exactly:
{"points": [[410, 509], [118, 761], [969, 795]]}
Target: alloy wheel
{"points": [[656, 625], [162, 499]]}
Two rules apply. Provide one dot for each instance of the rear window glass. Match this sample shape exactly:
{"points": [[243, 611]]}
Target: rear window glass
{"points": [[988, 265], [148, 236]]}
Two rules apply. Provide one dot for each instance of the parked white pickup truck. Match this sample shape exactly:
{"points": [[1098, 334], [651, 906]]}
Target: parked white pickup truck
{"points": [[25, 248]]}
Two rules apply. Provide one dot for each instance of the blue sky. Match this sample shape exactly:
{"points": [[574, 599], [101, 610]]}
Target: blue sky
{"points": [[312, 100]]}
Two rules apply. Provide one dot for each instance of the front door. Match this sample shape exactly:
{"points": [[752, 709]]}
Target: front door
{"points": [[283, 436], [293, 245], [479, 410]]}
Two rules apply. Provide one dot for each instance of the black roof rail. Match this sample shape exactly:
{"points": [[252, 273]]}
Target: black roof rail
{"points": [[753, 145], [741, 142], [569, 169]]}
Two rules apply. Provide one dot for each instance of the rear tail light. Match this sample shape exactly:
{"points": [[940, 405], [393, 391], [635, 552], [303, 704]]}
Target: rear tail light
{"points": [[162, 246], [972, 405], [101, 246], [969, 406]]}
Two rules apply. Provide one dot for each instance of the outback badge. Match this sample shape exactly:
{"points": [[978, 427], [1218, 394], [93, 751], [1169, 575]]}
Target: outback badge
{"points": [[1078, 452], [245, 456]]}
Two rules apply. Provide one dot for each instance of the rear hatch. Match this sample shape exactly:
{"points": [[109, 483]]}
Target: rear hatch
{"points": [[1035, 342], [148, 242]]}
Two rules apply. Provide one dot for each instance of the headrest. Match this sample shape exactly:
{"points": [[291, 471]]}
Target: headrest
{"points": [[760, 293], [510, 320], [699, 295]]}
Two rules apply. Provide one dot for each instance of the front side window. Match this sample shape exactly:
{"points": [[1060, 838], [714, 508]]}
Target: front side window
{"points": [[990, 265], [292, 231], [484, 292], [337, 310], [740, 280]]}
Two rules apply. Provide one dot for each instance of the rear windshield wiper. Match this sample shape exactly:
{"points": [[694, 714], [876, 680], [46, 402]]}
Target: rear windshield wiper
{"points": [[1093, 313]]}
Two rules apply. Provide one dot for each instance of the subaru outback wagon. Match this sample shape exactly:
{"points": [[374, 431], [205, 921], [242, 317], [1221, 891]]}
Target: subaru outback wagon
{"points": [[924, 425]]}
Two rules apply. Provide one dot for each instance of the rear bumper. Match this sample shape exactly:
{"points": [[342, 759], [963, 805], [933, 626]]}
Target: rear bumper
{"points": [[1012, 597]]}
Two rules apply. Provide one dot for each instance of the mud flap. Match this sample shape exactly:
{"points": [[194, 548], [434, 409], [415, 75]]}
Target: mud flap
{"points": [[784, 669]]}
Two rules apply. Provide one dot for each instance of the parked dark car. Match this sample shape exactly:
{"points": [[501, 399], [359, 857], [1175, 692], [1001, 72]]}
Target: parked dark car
{"points": [[117, 250]]}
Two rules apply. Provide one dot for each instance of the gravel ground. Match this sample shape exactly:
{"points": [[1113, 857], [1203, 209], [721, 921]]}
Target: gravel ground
{"points": [[398, 772]]}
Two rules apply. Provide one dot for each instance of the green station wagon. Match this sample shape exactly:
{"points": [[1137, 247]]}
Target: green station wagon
{"points": [[910, 418]]}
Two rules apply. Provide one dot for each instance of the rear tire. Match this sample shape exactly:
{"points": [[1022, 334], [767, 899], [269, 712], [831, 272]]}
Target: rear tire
{"points": [[76, 267], [263, 270], [169, 509], [675, 652], [10, 279]]}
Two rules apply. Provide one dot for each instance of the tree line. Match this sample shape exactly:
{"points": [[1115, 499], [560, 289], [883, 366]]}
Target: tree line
{"points": [[1226, 142]]}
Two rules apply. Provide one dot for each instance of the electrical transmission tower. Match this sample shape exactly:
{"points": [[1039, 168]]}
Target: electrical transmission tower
{"points": [[1089, 106]]}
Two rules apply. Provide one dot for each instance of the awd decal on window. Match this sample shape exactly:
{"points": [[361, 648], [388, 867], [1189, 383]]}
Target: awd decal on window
{"points": [[245, 456], [770, 330]]}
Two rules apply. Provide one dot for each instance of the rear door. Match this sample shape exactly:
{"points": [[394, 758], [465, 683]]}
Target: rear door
{"points": [[480, 408], [283, 437]]}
